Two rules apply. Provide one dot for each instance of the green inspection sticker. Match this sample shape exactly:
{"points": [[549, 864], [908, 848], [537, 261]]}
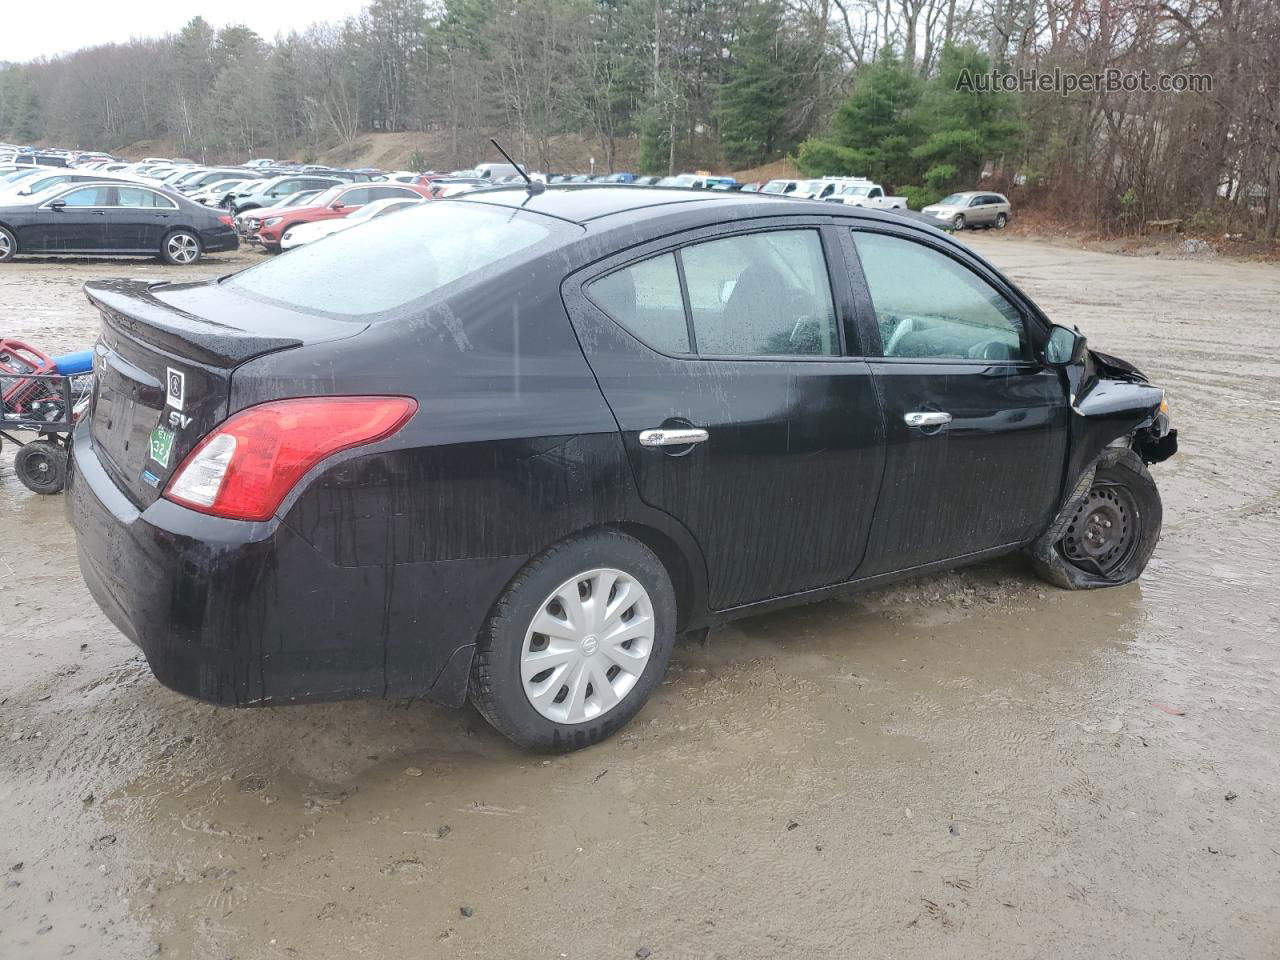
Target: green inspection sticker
{"points": [[161, 445]]}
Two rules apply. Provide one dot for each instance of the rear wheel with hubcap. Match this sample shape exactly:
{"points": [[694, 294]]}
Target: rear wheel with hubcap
{"points": [[577, 643], [1001, 220], [180, 248]]}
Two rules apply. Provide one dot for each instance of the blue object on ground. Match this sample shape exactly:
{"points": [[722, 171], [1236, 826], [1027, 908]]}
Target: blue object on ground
{"points": [[73, 363]]}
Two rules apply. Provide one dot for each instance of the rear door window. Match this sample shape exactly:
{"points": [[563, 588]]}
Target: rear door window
{"points": [[644, 299], [138, 197], [761, 294]]}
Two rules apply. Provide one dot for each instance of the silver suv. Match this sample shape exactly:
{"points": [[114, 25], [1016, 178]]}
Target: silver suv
{"points": [[972, 209]]}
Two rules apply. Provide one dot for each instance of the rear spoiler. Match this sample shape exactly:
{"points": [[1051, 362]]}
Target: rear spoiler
{"points": [[132, 307]]}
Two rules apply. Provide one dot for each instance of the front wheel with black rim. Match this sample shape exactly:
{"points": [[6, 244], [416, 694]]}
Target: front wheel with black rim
{"points": [[576, 644], [1108, 531], [180, 248], [41, 465], [8, 245]]}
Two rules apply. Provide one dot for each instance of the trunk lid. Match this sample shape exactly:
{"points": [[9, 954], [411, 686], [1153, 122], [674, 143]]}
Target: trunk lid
{"points": [[163, 367]]}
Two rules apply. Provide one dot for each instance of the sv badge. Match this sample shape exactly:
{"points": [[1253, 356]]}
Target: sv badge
{"points": [[178, 421]]}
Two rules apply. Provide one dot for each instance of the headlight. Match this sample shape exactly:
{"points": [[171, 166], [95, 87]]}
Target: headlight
{"points": [[271, 221]]}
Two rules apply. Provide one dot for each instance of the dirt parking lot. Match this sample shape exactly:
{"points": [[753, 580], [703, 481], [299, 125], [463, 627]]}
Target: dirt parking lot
{"points": [[973, 765]]}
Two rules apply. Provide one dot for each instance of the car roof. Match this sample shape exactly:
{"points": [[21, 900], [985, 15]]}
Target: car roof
{"points": [[585, 203]]}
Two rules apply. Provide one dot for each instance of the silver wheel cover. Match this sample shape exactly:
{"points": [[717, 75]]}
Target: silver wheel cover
{"points": [[4, 244], [182, 247], [587, 646]]}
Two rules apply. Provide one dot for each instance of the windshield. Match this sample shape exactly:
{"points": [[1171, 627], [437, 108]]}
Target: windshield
{"points": [[775, 186], [856, 190], [955, 200], [810, 186], [330, 195], [294, 199], [22, 175], [400, 260]]}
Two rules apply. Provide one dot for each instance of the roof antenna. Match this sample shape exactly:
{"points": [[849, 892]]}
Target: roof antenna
{"points": [[534, 187]]}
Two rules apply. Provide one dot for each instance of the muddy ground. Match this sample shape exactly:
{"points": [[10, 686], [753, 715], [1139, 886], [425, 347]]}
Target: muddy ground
{"points": [[972, 765]]}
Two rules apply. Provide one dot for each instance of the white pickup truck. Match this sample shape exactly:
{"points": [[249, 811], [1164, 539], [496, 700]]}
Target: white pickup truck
{"points": [[864, 193]]}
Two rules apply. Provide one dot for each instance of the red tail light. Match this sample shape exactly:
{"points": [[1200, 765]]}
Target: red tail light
{"points": [[246, 467], [226, 221]]}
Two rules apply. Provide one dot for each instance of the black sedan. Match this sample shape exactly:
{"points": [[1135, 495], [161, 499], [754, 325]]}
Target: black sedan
{"points": [[514, 469], [113, 218]]}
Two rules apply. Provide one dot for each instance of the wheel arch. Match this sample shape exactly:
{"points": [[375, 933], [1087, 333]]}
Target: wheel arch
{"points": [[690, 588]]}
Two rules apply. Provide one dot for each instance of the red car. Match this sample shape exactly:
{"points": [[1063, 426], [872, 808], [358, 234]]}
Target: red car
{"points": [[334, 202]]}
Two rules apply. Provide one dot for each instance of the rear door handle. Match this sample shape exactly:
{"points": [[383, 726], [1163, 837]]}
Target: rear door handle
{"points": [[927, 418], [672, 437]]}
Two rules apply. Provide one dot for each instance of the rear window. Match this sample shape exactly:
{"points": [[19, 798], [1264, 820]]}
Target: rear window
{"points": [[391, 262]]}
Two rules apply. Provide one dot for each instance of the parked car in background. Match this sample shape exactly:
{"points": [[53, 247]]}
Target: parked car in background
{"points": [[974, 208], [694, 181], [864, 193], [53, 177], [781, 188], [618, 178], [248, 222], [201, 178], [217, 194], [113, 218], [646, 181], [406, 524], [267, 192], [304, 233], [441, 187], [334, 202]]}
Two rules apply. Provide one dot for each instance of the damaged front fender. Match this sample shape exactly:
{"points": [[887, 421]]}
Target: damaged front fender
{"points": [[1112, 400]]}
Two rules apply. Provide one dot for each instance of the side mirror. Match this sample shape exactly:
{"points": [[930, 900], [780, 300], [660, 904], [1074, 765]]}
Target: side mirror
{"points": [[57, 205], [337, 205], [1064, 347]]}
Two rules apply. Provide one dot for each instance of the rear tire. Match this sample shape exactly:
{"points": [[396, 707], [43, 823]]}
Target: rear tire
{"points": [[41, 465], [180, 248], [567, 705], [1001, 220], [1108, 530], [8, 245]]}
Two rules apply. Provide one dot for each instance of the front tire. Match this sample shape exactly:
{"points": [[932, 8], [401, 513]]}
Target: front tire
{"points": [[180, 248], [8, 245], [41, 465], [576, 644], [1108, 530], [957, 222]]}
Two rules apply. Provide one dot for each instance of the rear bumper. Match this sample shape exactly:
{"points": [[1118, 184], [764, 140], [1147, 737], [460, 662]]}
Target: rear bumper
{"points": [[219, 241], [243, 613]]}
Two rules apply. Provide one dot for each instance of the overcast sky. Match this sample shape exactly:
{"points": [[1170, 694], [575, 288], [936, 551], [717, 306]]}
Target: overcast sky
{"points": [[32, 29]]}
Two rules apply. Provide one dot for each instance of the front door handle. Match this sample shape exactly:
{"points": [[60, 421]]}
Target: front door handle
{"points": [[927, 418], [672, 436]]}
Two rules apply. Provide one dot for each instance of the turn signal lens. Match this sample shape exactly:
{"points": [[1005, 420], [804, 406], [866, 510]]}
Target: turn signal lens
{"points": [[245, 468]]}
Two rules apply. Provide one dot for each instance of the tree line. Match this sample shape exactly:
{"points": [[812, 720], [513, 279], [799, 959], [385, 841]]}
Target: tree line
{"points": [[868, 87]]}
